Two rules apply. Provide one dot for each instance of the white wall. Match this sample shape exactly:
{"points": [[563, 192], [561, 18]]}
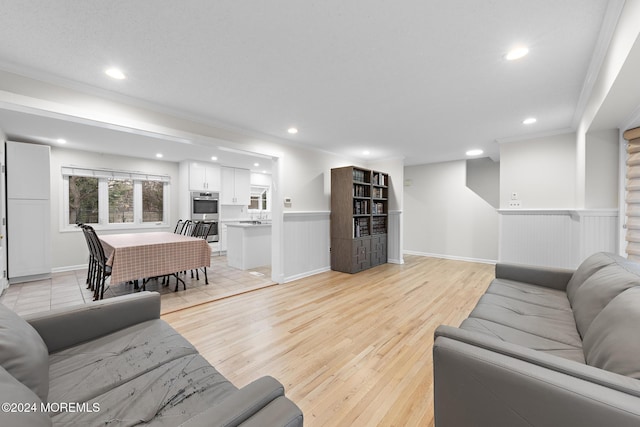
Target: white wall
{"points": [[602, 169], [483, 177], [542, 171], [69, 247], [443, 217]]}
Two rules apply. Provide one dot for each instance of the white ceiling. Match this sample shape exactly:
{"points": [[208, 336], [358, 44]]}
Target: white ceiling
{"points": [[423, 80]]}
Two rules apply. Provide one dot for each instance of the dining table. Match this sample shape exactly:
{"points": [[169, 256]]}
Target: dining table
{"points": [[135, 256]]}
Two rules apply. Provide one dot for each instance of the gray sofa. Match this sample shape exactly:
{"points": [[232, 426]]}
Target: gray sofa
{"points": [[545, 347], [115, 362]]}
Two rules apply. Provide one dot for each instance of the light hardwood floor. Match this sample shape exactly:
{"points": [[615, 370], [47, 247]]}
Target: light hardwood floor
{"points": [[351, 350]]}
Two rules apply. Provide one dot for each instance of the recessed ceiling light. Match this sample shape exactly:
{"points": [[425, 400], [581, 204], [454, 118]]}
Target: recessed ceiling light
{"points": [[366, 152], [159, 155], [264, 171], [115, 73], [61, 141], [256, 164], [214, 158], [476, 152], [292, 131], [516, 53], [529, 121]]}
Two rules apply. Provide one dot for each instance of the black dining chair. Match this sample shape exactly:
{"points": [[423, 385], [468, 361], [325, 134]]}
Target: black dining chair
{"points": [[92, 262], [202, 231], [101, 269]]}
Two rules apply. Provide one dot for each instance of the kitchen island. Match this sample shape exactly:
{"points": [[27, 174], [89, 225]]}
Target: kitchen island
{"points": [[248, 245]]}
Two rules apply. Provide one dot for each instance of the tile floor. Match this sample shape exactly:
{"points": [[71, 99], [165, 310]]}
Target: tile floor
{"points": [[68, 288]]}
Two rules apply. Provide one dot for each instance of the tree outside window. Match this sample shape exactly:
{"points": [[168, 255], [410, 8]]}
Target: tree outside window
{"points": [[83, 200], [152, 201], [120, 200]]}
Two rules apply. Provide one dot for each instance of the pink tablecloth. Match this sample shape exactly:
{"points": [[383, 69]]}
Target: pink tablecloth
{"points": [[140, 255]]}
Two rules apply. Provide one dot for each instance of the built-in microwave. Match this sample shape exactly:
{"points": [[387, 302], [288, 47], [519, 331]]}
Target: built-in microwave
{"points": [[204, 206]]}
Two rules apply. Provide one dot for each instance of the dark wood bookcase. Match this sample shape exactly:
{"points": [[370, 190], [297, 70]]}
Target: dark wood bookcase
{"points": [[359, 218]]}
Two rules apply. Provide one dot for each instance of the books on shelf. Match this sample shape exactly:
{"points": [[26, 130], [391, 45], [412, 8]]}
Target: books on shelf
{"points": [[360, 227], [360, 191], [377, 208], [359, 175], [379, 179], [379, 225], [378, 193], [360, 207]]}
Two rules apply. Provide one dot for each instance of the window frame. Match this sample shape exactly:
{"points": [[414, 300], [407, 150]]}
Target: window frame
{"points": [[103, 176]]}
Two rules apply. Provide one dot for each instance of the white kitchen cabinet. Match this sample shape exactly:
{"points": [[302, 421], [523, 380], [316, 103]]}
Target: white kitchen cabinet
{"points": [[28, 171], [28, 212], [236, 186], [204, 176], [222, 243], [29, 234], [249, 245]]}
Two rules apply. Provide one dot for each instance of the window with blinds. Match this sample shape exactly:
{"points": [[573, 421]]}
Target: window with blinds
{"points": [[632, 199]]}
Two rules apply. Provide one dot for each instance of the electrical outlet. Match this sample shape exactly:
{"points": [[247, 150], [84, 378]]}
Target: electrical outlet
{"points": [[514, 196], [515, 204]]}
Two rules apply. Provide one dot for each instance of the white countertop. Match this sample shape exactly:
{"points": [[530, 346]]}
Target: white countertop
{"points": [[248, 225]]}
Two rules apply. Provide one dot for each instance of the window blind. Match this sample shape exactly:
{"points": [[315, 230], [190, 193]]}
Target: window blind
{"points": [[114, 174], [632, 200]]}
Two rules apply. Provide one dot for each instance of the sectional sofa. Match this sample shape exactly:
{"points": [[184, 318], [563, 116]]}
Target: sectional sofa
{"points": [[545, 347], [115, 362]]}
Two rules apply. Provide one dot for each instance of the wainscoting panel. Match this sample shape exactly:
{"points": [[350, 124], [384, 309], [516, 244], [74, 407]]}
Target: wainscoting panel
{"points": [[306, 244], [555, 238]]}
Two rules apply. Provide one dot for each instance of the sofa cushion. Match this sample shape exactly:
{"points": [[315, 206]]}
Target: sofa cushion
{"points": [[13, 392], [534, 294], [87, 370], [613, 342], [598, 290], [551, 323], [168, 395], [587, 268], [23, 353], [525, 339]]}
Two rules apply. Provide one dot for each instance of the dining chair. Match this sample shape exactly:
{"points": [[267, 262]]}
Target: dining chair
{"points": [[92, 262], [201, 231], [102, 270]]}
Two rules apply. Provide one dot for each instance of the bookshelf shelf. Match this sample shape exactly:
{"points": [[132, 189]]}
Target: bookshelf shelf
{"points": [[359, 207]]}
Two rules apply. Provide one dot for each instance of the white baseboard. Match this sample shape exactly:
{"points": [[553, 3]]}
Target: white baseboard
{"points": [[452, 257], [306, 274], [69, 268], [395, 261]]}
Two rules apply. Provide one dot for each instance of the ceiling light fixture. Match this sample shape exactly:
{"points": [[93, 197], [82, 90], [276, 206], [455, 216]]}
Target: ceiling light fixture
{"points": [[61, 141], [292, 131], [159, 155], [256, 164], [214, 158], [115, 73], [366, 152], [475, 152], [516, 53], [529, 121]]}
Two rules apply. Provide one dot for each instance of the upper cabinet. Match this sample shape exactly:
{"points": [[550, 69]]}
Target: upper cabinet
{"points": [[28, 171], [204, 176], [236, 188]]}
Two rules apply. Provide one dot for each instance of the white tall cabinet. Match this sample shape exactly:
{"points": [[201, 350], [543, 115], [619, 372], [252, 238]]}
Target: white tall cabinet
{"points": [[28, 211]]}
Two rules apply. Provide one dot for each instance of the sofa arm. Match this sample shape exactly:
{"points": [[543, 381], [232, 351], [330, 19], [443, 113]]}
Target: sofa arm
{"points": [[69, 326], [556, 278], [239, 406], [479, 387], [279, 412]]}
